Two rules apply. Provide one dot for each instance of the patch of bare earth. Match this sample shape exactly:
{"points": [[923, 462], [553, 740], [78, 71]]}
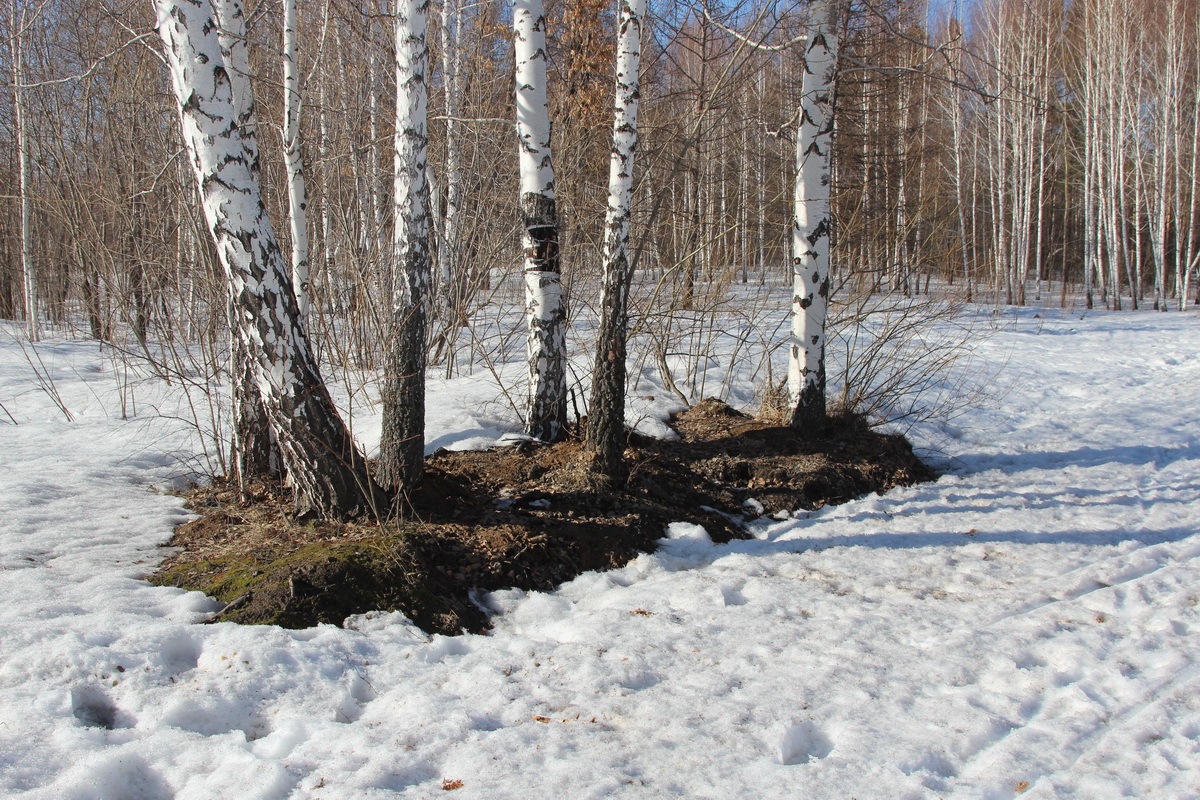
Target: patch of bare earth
{"points": [[523, 516]]}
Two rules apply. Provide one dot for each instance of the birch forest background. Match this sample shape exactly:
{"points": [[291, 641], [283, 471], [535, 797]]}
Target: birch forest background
{"points": [[1001, 151]]}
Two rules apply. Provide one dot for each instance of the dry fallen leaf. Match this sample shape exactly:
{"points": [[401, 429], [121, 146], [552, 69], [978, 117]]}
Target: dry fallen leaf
{"points": [[540, 719], [1022, 786], [641, 612], [450, 785]]}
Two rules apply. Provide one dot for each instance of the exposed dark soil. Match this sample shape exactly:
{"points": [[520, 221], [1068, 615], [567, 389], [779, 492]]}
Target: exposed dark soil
{"points": [[524, 516]]}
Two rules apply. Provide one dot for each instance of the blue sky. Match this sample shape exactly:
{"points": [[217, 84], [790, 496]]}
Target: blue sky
{"points": [[937, 6]]}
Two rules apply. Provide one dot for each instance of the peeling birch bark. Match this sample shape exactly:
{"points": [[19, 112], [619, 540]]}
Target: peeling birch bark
{"points": [[327, 470], [255, 454]]}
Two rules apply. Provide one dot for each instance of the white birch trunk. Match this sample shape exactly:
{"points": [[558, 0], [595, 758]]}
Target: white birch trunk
{"points": [[1090, 235], [811, 226], [402, 445], [1162, 155], [606, 410], [297, 194], [899, 238], [329, 247], [28, 273], [451, 61], [957, 122], [366, 180], [373, 175], [1040, 202], [547, 411], [1187, 259], [326, 468], [255, 454]]}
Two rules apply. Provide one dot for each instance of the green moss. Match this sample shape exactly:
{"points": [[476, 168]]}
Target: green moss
{"points": [[224, 580], [325, 582]]}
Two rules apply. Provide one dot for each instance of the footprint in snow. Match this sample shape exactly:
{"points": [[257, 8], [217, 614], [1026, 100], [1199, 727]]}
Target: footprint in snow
{"points": [[801, 743], [94, 709], [179, 654], [931, 762]]}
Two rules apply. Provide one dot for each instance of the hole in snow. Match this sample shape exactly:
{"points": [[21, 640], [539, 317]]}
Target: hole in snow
{"points": [[93, 708], [180, 654], [803, 742]]}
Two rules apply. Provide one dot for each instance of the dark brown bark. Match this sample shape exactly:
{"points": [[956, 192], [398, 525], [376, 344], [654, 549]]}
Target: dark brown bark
{"points": [[606, 436], [810, 412], [402, 443], [255, 455], [402, 439], [324, 465]]}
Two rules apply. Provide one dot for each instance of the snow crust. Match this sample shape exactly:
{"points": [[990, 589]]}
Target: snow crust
{"points": [[1025, 626]]}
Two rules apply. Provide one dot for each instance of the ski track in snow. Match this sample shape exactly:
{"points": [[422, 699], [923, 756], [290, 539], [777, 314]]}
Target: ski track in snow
{"points": [[1025, 626]]}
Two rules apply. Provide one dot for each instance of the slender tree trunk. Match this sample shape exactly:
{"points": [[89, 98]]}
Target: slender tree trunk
{"points": [[1186, 215], [811, 226], [606, 410], [90, 289], [452, 88], [1039, 227], [28, 273], [957, 122], [546, 416], [327, 471], [1090, 238], [297, 194], [329, 248], [402, 445]]}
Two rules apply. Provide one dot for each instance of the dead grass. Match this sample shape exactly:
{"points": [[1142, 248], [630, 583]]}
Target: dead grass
{"points": [[525, 516]]}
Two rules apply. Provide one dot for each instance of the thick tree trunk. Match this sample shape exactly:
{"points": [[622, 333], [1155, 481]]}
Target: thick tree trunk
{"points": [[402, 445], [327, 471], [606, 411], [811, 225], [546, 416], [255, 454]]}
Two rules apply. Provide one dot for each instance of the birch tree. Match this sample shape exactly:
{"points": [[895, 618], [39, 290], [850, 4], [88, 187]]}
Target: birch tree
{"points": [[812, 222], [255, 454], [451, 69], [606, 411], [294, 161], [326, 469], [546, 414], [18, 24], [402, 446]]}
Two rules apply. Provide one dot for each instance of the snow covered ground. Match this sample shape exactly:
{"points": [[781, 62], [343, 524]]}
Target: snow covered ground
{"points": [[1026, 626]]}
